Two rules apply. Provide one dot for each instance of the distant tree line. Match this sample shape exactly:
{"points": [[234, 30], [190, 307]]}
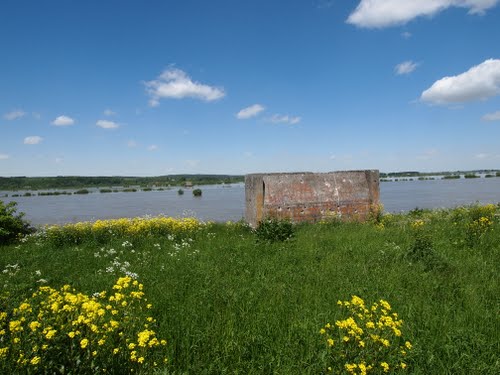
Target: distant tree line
{"points": [[78, 182], [424, 174]]}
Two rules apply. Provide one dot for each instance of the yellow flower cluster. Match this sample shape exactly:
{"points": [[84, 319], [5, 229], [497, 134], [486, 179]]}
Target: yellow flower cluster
{"points": [[417, 224], [140, 226], [113, 333], [369, 339]]}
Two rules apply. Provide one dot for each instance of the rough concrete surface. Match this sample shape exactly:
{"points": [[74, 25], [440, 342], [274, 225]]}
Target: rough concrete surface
{"points": [[311, 196]]}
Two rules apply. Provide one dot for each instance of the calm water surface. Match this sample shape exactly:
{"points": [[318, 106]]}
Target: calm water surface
{"points": [[228, 203]]}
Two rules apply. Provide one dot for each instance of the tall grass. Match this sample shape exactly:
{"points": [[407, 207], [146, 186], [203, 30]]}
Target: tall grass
{"points": [[227, 303]]}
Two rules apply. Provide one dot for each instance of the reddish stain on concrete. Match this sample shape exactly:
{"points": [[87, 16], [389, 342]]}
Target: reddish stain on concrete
{"points": [[311, 196]]}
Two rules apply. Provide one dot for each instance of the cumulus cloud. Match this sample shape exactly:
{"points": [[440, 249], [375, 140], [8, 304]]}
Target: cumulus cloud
{"points": [[249, 112], [4, 156], [478, 83], [406, 67], [13, 115], [105, 124], [109, 112], [384, 13], [63, 121], [285, 119], [33, 140], [495, 116], [176, 84]]}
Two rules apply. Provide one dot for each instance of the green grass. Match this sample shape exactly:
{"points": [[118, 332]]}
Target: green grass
{"points": [[227, 303]]}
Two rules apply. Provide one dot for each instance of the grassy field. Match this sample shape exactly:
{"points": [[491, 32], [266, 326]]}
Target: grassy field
{"points": [[228, 302]]}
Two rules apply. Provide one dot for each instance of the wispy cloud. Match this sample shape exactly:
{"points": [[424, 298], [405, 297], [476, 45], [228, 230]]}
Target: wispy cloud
{"points": [[131, 143], [105, 124], [13, 115], [109, 112], [174, 83], [284, 119], [478, 83], [406, 67], [495, 116], [384, 13], [152, 147], [4, 156], [192, 163], [249, 112], [427, 155], [63, 121], [33, 140], [406, 34]]}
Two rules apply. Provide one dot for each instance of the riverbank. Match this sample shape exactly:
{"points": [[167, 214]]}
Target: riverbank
{"points": [[227, 301]]}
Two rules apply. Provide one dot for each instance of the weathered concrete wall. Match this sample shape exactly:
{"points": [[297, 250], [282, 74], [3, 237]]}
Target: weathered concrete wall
{"points": [[311, 196]]}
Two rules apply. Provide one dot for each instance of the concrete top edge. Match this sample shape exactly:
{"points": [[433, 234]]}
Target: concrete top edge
{"points": [[318, 173]]}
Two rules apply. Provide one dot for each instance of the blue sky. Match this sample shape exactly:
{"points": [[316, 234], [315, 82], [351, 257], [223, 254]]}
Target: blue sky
{"points": [[234, 87]]}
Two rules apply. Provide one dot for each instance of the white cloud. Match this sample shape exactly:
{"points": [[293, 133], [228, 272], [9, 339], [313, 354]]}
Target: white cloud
{"points": [[481, 156], [33, 140], [152, 148], [109, 112], [4, 156], [406, 35], [132, 143], [36, 115], [285, 119], [249, 112], [105, 124], [63, 121], [478, 83], [384, 13], [495, 116], [13, 115], [176, 84], [59, 160], [406, 67]]}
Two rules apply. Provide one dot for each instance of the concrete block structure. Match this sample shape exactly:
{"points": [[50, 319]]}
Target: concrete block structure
{"points": [[311, 196]]}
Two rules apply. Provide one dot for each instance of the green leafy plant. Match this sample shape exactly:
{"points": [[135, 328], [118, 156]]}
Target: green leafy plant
{"points": [[274, 230], [197, 192], [12, 224], [180, 192]]}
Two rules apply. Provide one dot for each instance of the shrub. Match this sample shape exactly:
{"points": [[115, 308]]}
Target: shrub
{"points": [[12, 225], [274, 230], [63, 331], [197, 192], [369, 339], [82, 191], [180, 191], [105, 191], [471, 175]]}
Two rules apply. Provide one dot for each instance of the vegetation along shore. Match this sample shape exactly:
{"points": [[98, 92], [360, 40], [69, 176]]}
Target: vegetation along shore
{"points": [[412, 293]]}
